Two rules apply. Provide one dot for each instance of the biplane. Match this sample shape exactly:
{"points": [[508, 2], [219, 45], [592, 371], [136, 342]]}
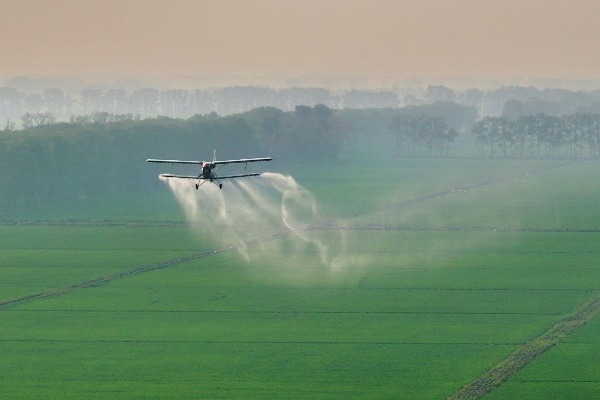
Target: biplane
{"points": [[207, 169]]}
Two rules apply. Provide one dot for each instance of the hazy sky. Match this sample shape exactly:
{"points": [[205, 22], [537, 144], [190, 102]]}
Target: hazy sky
{"points": [[299, 38]]}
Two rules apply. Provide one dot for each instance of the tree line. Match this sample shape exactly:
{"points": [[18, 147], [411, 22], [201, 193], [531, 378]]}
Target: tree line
{"points": [[430, 130], [102, 154], [541, 135], [417, 135], [105, 154]]}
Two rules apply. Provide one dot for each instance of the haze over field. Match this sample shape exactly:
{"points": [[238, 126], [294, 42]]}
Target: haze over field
{"points": [[288, 42]]}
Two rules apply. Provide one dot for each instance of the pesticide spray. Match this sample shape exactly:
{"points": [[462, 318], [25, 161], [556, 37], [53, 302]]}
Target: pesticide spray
{"points": [[247, 210]]}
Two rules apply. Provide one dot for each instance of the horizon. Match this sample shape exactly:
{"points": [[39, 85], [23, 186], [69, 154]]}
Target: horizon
{"points": [[334, 85]]}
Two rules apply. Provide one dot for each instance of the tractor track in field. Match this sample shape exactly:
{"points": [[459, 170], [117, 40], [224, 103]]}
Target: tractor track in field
{"points": [[89, 223], [101, 280], [465, 188], [379, 227], [528, 352]]}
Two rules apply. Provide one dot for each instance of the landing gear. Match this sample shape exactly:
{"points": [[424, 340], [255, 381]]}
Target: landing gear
{"points": [[220, 185]]}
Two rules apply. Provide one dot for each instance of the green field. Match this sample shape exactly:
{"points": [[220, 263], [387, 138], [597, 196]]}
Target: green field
{"points": [[445, 267]]}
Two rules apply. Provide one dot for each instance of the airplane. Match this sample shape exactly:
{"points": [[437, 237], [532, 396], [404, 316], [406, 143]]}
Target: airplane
{"points": [[207, 173]]}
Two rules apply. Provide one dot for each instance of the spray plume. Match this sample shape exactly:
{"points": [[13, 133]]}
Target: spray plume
{"points": [[247, 210]]}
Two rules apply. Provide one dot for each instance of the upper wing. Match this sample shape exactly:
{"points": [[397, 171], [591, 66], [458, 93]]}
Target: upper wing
{"points": [[242, 160], [153, 160]]}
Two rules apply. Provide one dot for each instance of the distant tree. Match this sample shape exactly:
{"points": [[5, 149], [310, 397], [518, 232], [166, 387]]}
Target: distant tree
{"points": [[472, 97], [80, 119], [102, 117], [303, 111], [10, 100], [145, 102], [514, 109], [40, 119], [176, 103], [10, 126], [486, 134], [437, 93], [91, 100], [34, 103], [310, 133], [115, 100], [267, 123], [291, 97], [27, 120], [56, 102], [416, 133]]}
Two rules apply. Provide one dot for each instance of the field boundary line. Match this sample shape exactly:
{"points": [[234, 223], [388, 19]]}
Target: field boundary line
{"points": [[528, 352]]}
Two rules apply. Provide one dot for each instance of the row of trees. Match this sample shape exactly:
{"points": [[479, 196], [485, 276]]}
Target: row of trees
{"points": [[29, 120], [541, 135], [103, 154], [417, 135], [429, 130]]}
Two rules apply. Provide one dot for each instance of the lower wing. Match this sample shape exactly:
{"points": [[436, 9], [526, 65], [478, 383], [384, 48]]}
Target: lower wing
{"points": [[216, 178], [180, 176], [235, 176]]}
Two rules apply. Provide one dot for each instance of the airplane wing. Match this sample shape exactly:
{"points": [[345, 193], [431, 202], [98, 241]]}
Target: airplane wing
{"points": [[236, 176], [153, 160], [180, 176], [201, 178], [222, 162], [241, 161]]}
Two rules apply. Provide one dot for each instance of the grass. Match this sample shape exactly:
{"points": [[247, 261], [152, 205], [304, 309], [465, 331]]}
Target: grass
{"points": [[431, 294]]}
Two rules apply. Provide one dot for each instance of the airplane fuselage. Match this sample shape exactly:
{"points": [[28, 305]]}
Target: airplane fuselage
{"points": [[207, 171]]}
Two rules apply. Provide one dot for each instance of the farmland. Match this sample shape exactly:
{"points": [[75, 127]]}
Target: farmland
{"points": [[448, 266]]}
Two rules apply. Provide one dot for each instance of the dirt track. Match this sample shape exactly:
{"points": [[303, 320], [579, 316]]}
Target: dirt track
{"points": [[136, 271], [506, 368]]}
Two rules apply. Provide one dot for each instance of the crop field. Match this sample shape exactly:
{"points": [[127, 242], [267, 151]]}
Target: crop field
{"points": [[420, 279]]}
